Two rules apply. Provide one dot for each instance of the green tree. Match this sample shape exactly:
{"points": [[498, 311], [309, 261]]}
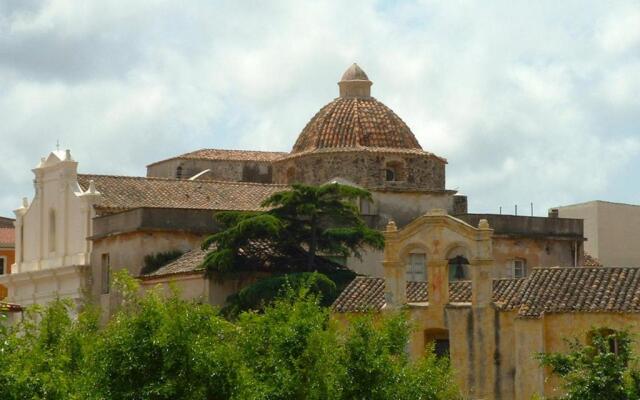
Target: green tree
{"points": [[158, 347], [43, 356], [604, 368], [300, 224]]}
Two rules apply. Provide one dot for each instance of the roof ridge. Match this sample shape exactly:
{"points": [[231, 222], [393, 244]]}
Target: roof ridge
{"points": [[586, 267], [156, 178]]}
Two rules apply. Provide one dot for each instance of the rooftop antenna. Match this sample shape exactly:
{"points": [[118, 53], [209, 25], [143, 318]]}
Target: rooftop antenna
{"points": [[516, 209], [57, 144], [500, 210], [532, 208]]}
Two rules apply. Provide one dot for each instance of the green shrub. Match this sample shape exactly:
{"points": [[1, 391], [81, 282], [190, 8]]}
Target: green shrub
{"points": [[153, 262]]}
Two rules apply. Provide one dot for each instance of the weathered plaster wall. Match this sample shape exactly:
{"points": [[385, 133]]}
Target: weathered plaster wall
{"points": [[193, 286], [538, 252], [404, 207], [363, 168], [223, 170], [128, 250], [558, 327]]}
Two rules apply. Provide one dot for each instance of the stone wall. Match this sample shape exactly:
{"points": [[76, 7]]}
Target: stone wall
{"points": [[364, 168], [222, 170]]}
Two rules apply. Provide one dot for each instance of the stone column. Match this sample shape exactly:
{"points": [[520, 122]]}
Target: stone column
{"points": [[484, 315], [438, 281], [395, 281]]}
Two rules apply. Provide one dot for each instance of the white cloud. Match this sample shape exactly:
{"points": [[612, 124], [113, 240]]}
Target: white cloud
{"points": [[528, 102]]}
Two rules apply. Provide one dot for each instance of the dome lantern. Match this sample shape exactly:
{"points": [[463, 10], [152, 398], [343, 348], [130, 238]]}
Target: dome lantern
{"points": [[355, 83]]}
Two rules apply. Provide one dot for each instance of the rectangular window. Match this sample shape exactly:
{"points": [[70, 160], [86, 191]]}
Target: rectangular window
{"points": [[366, 207], [519, 269], [416, 270], [105, 266], [3, 263]]}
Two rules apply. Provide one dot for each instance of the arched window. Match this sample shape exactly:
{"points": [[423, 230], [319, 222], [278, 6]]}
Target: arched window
{"points": [[179, 172], [394, 171], [458, 268], [52, 230], [417, 268]]}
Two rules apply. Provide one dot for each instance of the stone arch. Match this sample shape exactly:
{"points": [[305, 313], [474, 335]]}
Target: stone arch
{"points": [[458, 256], [413, 247]]}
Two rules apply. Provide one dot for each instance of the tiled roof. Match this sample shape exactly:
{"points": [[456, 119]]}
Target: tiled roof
{"points": [[546, 290], [7, 237], [6, 222], [355, 122], [228, 155], [258, 253], [590, 261], [189, 262], [582, 289], [120, 193], [367, 293]]}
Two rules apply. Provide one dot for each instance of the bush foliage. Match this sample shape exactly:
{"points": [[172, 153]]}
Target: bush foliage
{"points": [[604, 368], [156, 347]]}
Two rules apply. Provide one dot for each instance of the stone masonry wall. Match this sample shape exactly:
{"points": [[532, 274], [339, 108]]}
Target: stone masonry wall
{"points": [[222, 170], [413, 171]]}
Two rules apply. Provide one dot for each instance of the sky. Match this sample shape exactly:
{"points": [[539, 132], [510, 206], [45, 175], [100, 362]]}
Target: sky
{"points": [[530, 102]]}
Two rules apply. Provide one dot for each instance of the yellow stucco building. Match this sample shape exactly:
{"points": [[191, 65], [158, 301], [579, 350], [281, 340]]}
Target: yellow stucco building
{"points": [[491, 328]]}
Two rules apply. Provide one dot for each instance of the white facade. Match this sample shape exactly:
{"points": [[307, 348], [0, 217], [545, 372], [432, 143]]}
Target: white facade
{"points": [[52, 250]]}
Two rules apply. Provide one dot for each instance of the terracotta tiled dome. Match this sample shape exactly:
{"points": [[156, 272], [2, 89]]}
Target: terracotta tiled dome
{"points": [[355, 119]]}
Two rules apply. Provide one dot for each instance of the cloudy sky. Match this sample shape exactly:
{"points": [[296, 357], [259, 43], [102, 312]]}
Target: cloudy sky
{"points": [[529, 102]]}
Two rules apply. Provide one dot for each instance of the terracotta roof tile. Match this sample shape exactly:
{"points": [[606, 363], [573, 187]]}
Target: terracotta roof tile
{"points": [[258, 252], [590, 261], [189, 262], [125, 192], [546, 290], [355, 122], [6, 222], [583, 289], [7, 237], [367, 293], [228, 155]]}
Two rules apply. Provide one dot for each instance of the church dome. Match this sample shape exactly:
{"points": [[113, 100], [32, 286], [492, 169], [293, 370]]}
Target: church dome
{"points": [[355, 120]]}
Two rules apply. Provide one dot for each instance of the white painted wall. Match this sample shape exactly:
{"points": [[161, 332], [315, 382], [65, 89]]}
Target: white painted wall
{"points": [[52, 250], [612, 231]]}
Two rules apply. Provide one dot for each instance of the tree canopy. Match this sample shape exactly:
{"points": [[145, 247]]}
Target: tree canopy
{"points": [[300, 224], [168, 348], [603, 368]]}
